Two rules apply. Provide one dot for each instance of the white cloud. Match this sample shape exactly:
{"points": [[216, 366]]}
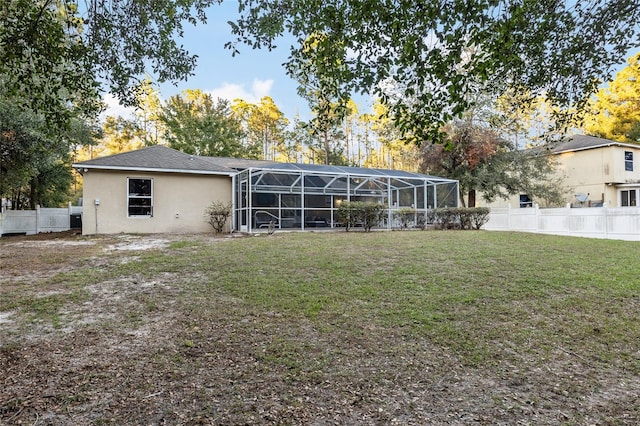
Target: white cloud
{"points": [[115, 109], [231, 91], [262, 88]]}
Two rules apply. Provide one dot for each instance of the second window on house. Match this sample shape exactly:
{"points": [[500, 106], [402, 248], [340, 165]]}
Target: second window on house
{"points": [[628, 161], [139, 197], [525, 201], [628, 198]]}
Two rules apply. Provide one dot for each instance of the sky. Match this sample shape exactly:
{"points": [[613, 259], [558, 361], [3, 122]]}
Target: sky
{"points": [[250, 75]]}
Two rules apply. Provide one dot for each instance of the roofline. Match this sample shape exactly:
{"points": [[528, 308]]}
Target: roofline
{"points": [[432, 179], [603, 145], [151, 169]]}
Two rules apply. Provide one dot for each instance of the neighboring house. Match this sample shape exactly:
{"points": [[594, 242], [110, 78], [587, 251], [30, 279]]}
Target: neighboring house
{"points": [[158, 189], [595, 171]]}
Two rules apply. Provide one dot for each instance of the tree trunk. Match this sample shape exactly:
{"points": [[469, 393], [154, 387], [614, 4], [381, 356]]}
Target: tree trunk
{"points": [[326, 147], [33, 193], [472, 198], [461, 196]]}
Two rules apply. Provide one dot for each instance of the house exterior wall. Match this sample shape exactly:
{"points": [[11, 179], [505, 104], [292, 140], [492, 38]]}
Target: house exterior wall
{"points": [[179, 202], [587, 172], [599, 172]]}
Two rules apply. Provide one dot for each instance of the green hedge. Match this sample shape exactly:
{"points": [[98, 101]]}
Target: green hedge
{"points": [[358, 213], [367, 215], [459, 217]]}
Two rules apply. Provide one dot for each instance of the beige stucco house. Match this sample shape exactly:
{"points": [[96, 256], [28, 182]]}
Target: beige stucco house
{"points": [[158, 189], [595, 172], [151, 190]]}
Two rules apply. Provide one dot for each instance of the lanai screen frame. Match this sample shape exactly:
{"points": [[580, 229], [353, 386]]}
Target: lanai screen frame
{"points": [[307, 196]]}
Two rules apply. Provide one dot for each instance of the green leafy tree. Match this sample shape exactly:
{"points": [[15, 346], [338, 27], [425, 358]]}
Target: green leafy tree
{"points": [[196, 124], [634, 132], [21, 138], [117, 134], [616, 108], [264, 126], [526, 120], [58, 56], [51, 186], [322, 91], [326, 146], [435, 55], [45, 65], [394, 152], [530, 171], [148, 110], [297, 137], [120, 135], [482, 161], [35, 166], [57, 52]]}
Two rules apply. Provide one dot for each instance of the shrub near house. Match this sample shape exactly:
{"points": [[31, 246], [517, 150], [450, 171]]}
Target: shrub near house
{"points": [[358, 213], [367, 215], [217, 215], [459, 218]]}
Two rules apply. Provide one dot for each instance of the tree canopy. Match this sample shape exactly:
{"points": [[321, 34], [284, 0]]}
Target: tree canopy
{"points": [[616, 108], [57, 53], [424, 59], [264, 126], [195, 123], [34, 166], [483, 161]]}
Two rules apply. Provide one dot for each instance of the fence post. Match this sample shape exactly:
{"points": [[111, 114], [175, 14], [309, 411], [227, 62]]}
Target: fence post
{"points": [[536, 206], [69, 216], [606, 220], [37, 218]]}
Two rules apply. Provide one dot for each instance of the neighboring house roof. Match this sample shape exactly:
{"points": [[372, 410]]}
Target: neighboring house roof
{"points": [[157, 158], [582, 142]]}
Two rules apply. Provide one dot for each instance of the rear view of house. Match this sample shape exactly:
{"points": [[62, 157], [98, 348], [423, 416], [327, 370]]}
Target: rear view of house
{"points": [[158, 189]]}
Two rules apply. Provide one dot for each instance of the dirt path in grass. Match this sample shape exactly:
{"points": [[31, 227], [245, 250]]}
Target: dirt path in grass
{"points": [[137, 349]]}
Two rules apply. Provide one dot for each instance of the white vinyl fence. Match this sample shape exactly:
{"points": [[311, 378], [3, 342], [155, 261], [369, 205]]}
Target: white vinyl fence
{"points": [[621, 223], [38, 220]]}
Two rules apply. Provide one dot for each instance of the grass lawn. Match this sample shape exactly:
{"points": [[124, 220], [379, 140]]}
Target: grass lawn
{"points": [[320, 328]]}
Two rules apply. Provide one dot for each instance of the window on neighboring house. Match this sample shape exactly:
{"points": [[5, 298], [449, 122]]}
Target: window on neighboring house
{"points": [[628, 161], [628, 198], [525, 201], [140, 197]]}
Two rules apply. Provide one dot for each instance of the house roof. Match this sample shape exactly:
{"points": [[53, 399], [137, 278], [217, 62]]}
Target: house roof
{"points": [[582, 142], [157, 158]]}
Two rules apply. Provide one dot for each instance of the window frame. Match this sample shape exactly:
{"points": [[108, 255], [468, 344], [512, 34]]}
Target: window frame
{"points": [[525, 201], [630, 197], [628, 161], [131, 197]]}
